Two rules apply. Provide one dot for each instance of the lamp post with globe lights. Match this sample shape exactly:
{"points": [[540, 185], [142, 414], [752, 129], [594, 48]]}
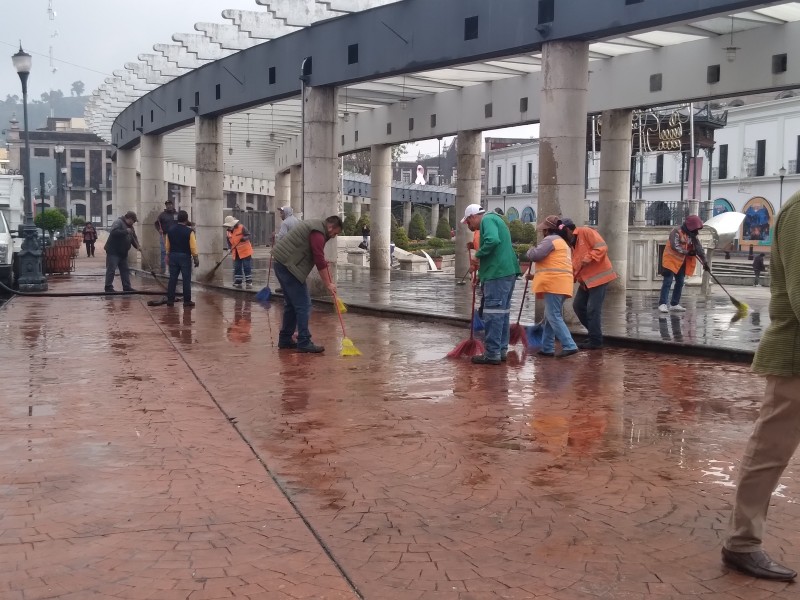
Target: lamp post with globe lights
{"points": [[31, 278]]}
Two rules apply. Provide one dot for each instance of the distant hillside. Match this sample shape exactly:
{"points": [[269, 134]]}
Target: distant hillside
{"points": [[38, 110]]}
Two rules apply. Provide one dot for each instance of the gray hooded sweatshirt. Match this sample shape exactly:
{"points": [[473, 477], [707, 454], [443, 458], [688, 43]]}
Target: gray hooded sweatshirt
{"points": [[288, 222]]}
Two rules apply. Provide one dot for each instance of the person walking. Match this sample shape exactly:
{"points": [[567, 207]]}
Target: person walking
{"points": [[365, 236], [758, 268], [679, 260], [120, 239], [593, 271], [181, 246], [553, 280], [294, 256], [242, 251], [163, 223], [289, 221], [777, 431], [89, 238], [497, 267]]}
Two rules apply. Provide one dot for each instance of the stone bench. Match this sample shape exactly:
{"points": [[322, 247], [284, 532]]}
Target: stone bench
{"points": [[413, 263], [357, 257]]}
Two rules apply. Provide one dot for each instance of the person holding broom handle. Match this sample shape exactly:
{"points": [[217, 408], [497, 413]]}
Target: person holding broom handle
{"points": [[497, 267], [777, 431], [679, 260], [294, 256]]}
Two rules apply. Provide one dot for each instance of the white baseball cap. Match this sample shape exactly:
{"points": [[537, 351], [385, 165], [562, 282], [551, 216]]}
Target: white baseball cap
{"points": [[472, 209]]}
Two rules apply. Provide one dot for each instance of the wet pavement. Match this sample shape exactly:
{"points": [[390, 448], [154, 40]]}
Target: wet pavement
{"points": [[176, 453], [630, 319]]}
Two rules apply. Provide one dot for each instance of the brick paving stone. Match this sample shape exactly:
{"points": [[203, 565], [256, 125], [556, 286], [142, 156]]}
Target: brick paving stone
{"points": [[132, 441]]}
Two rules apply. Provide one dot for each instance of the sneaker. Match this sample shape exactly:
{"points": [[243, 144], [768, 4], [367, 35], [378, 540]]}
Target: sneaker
{"points": [[110, 290], [237, 285], [248, 286], [663, 308], [590, 346], [482, 359], [566, 353], [677, 308], [548, 354], [189, 304], [129, 290], [311, 349]]}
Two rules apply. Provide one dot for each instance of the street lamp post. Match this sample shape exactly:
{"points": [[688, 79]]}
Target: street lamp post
{"points": [[31, 278], [58, 150], [782, 174]]}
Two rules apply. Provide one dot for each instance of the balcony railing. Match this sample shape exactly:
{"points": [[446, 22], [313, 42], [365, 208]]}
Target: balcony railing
{"points": [[496, 191], [657, 214], [526, 189], [510, 189]]}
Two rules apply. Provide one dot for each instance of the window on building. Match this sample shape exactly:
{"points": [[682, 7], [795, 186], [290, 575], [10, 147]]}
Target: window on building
{"points": [[513, 177], [530, 175], [722, 172], [77, 153], [499, 176], [660, 168], [108, 174], [44, 152], [405, 176], [761, 157], [78, 174]]}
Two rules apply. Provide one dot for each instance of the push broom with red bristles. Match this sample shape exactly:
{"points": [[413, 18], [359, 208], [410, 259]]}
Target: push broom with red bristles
{"points": [[516, 332], [471, 346]]}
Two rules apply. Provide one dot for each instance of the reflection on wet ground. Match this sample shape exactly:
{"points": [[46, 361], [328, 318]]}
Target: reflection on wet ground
{"points": [[605, 475]]}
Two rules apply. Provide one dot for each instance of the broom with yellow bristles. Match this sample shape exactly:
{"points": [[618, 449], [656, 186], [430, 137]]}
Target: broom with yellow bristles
{"points": [[741, 307], [348, 348]]}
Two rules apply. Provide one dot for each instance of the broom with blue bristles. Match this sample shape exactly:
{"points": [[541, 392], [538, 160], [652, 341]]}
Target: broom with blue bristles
{"points": [[264, 294]]}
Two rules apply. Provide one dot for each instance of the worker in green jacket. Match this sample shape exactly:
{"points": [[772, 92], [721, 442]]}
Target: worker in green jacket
{"points": [[777, 431], [498, 268]]}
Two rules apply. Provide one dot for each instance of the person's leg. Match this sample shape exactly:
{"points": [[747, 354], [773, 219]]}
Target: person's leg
{"points": [[553, 310], [680, 277], [509, 292], [285, 278], [174, 270], [774, 440], [548, 334], [594, 311], [88, 250], [186, 275], [580, 304], [758, 277], [669, 276], [93, 242], [247, 266], [125, 274], [494, 315], [112, 260], [237, 271]]}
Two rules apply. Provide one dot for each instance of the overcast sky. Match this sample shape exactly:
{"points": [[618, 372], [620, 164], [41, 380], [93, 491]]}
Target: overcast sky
{"points": [[92, 38]]}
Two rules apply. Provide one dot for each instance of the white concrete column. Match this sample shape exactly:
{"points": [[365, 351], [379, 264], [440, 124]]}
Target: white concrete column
{"points": [[208, 202], [407, 214], [615, 177], [562, 133], [357, 202], [114, 193], [241, 200], [153, 196], [283, 197], [447, 214], [380, 213], [321, 187], [296, 177], [468, 191], [126, 188], [434, 218]]}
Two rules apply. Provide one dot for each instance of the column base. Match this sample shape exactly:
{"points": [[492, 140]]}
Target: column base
{"points": [[31, 278]]}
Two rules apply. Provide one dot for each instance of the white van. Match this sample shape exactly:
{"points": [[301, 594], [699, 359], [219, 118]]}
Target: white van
{"points": [[6, 253]]}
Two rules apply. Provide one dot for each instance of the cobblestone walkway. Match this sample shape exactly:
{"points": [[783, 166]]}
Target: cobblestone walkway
{"points": [[176, 453]]}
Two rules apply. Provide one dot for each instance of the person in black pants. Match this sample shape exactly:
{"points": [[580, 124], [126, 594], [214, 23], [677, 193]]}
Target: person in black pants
{"points": [[120, 239], [181, 247], [89, 238]]}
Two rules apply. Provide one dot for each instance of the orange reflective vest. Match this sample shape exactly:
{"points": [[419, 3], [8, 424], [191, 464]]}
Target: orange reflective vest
{"points": [[590, 259], [554, 272], [240, 249], [673, 260]]}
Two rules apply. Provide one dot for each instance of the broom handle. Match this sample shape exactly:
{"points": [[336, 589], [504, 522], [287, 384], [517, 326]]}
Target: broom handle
{"points": [[269, 271], [339, 314], [714, 277], [524, 294], [474, 290]]}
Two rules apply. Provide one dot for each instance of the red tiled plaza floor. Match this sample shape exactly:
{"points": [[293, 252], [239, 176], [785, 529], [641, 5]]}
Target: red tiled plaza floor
{"points": [[144, 453]]}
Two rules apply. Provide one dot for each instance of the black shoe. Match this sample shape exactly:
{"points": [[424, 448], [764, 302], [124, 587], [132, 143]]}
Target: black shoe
{"points": [[170, 304], [128, 290], [482, 359], [311, 349], [290, 346], [757, 564], [590, 346], [566, 353], [110, 290], [548, 354], [503, 356], [189, 304]]}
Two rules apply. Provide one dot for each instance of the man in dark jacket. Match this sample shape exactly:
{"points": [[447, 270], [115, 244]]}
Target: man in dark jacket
{"points": [[758, 268], [294, 257], [120, 239], [182, 251], [167, 218]]}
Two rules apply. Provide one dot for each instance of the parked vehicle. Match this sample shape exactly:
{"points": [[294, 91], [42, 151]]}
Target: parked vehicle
{"points": [[6, 253]]}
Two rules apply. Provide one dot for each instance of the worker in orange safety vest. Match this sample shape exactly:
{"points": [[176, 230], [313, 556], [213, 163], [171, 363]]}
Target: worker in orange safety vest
{"points": [[680, 260]]}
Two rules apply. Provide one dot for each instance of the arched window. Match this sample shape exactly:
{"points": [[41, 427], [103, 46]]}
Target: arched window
{"points": [[758, 219], [721, 205], [512, 214], [528, 215]]}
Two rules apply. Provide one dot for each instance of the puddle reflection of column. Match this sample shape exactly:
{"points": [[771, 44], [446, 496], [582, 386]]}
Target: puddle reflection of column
{"points": [[379, 287]]}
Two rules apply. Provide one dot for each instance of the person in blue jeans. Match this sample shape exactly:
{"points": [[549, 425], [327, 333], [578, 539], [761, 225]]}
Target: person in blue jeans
{"points": [[498, 268], [181, 247], [294, 257]]}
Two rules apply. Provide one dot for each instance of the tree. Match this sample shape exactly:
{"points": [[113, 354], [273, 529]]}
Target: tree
{"points": [[362, 222], [361, 162], [50, 219], [443, 229], [77, 88], [416, 229], [349, 225], [78, 221], [400, 238]]}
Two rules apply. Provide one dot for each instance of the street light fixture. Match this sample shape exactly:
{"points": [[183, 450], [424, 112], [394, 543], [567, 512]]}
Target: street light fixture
{"points": [[782, 174], [31, 278]]}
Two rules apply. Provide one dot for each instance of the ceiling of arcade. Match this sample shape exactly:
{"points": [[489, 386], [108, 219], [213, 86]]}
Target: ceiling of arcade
{"points": [[252, 138]]}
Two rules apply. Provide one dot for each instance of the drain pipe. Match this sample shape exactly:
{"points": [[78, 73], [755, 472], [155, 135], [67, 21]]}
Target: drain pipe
{"points": [[305, 72]]}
